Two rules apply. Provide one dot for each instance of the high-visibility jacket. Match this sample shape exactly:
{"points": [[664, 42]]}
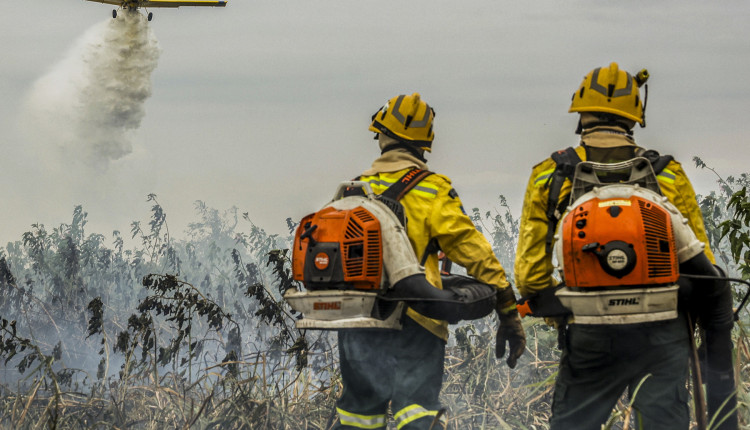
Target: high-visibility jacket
{"points": [[533, 266], [434, 211]]}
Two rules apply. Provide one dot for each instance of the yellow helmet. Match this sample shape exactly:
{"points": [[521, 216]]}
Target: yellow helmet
{"points": [[611, 90], [407, 119]]}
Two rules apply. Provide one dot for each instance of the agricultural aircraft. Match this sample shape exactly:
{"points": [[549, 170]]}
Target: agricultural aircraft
{"points": [[134, 5]]}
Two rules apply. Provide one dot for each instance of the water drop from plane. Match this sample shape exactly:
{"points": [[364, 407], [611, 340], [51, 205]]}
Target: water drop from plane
{"points": [[90, 103]]}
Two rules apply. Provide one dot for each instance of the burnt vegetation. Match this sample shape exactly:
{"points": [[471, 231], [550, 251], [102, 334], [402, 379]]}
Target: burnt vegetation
{"points": [[150, 331]]}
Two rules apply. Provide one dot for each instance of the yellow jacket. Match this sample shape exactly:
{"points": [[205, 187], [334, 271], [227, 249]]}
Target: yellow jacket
{"points": [[434, 211], [533, 266]]}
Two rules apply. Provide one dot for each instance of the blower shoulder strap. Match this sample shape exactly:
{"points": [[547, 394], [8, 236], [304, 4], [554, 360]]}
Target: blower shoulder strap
{"points": [[399, 189], [408, 181], [566, 161], [392, 195], [658, 162]]}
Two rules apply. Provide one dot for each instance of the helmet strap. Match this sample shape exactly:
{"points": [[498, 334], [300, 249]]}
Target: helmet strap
{"points": [[414, 151]]}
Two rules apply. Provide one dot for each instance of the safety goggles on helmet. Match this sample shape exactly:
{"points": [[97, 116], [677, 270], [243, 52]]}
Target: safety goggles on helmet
{"points": [[611, 90], [407, 119]]}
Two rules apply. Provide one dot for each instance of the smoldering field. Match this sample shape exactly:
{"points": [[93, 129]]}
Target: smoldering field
{"points": [[144, 328], [191, 331], [181, 332]]}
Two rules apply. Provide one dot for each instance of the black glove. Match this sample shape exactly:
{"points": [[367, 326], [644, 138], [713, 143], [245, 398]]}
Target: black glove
{"points": [[510, 329]]}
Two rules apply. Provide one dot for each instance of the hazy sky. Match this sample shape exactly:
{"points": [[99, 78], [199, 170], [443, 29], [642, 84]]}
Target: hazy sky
{"points": [[264, 105]]}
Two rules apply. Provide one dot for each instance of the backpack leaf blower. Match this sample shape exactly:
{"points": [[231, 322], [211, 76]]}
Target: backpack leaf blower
{"points": [[360, 271]]}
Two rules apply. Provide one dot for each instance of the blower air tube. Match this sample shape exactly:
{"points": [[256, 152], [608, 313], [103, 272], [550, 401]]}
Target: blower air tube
{"points": [[462, 297], [710, 299], [708, 296]]}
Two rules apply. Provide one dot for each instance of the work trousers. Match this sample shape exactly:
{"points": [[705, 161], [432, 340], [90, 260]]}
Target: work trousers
{"points": [[599, 362], [400, 367]]}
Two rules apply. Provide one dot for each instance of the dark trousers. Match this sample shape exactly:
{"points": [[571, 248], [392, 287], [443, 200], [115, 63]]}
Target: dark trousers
{"points": [[599, 363], [403, 368]]}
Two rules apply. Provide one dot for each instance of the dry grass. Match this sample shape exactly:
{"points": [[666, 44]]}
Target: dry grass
{"points": [[479, 393]]}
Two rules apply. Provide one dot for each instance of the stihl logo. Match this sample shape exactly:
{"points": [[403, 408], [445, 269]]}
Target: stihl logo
{"points": [[624, 302], [408, 177], [327, 306], [322, 260]]}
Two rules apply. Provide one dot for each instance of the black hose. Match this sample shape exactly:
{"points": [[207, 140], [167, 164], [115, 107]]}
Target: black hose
{"points": [[462, 298], [724, 278]]}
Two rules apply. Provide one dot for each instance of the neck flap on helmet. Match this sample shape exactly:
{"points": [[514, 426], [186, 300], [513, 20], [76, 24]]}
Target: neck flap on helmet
{"points": [[412, 150]]}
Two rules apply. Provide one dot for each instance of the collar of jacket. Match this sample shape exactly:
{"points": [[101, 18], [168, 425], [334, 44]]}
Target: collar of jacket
{"points": [[606, 137], [393, 161]]}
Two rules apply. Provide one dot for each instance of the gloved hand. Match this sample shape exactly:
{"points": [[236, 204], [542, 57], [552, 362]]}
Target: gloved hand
{"points": [[509, 330]]}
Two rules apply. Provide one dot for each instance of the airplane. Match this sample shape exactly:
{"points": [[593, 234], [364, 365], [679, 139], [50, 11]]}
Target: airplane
{"points": [[137, 4]]}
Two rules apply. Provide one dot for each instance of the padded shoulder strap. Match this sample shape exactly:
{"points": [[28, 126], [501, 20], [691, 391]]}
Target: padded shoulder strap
{"points": [[566, 161], [658, 162], [410, 179], [398, 190]]}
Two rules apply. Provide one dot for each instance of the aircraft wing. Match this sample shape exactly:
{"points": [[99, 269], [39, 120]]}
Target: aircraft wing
{"points": [[178, 3], [168, 3], [114, 2]]}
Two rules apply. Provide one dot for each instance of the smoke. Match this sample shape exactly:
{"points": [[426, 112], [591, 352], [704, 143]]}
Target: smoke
{"points": [[87, 107]]}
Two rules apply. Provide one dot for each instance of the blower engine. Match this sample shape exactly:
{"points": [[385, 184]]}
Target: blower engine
{"points": [[360, 270], [619, 247]]}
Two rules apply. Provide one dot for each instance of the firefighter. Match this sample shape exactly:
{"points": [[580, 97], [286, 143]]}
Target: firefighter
{"points": [[598, 362], [404, 369]]}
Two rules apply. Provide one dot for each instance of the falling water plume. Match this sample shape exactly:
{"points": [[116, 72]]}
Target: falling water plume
{"points": [[87, 107]]}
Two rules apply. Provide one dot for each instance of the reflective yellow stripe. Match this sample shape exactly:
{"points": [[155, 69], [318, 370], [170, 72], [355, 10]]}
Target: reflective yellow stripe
{"points": [[361, 421], [379, 185], [543, 177], [596, 86], [667, 176], [413, 413]]}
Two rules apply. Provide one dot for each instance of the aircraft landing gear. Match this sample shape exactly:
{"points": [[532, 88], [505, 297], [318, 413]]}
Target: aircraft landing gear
{"points": [[114, 13], [150, 15]]}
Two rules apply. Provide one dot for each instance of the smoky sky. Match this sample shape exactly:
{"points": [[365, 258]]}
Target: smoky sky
{"points": [[264, 105]]}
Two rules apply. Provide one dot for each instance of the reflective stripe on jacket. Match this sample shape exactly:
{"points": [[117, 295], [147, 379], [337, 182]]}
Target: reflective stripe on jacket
{"points": [[434, 211], [533, 267]]}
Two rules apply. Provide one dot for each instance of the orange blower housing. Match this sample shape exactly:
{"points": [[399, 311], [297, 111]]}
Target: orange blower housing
{"points": [[618, 242], [338, 249]]}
